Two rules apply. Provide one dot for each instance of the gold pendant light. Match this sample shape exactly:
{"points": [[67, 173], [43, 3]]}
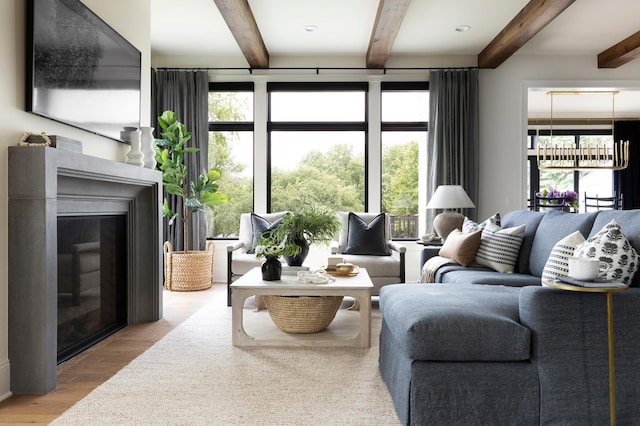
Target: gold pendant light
{"points": [[570, 157]]}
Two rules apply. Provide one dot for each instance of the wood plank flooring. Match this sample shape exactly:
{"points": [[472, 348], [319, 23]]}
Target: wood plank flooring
{"points": [[80, 375]]}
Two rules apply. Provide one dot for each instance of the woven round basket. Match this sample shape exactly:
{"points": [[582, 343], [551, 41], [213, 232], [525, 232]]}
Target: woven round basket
{"points": [[303, 314], [188, 272]]}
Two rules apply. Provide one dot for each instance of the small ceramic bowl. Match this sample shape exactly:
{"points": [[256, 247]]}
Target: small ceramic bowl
{"points": [[345, 268]]}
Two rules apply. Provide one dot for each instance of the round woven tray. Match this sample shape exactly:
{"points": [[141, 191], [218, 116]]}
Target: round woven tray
{"points": [[303, 314]]}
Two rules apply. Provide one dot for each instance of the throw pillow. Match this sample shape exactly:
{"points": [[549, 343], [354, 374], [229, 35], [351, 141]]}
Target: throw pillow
{"points": [[611, 246], [499, 247], [261, 225], [460, 247], [366, 239], [470, 226], [558, 262]]}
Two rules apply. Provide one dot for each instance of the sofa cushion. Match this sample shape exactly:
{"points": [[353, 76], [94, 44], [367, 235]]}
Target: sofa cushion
{"points": [[466, 322], [460, 247], [531, 219], [554, 226], [499, 248], [612, 247], [367, 238], [456, 274], [558, 263]]}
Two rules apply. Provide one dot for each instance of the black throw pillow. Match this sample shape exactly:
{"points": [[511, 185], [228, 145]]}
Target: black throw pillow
{"points": [[366, 239], [261, 225]]}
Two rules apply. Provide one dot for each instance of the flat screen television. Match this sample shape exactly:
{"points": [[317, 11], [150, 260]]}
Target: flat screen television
{"points": [[80, 71]]}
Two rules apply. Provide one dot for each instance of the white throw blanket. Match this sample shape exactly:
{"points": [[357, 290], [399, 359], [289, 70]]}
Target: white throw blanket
{"points": [[431, 266]]}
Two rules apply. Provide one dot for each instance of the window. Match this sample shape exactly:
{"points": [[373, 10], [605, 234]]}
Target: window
{"points": [[405, 112], [231, 150], [592, 182], [317, 145]]}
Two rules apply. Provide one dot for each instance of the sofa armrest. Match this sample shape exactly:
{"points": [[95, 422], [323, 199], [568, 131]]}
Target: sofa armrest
{"points": [[235, 246], [395, 246]]}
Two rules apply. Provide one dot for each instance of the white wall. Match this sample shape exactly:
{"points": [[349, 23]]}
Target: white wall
{"points": [[503, 117], [134, 25]]}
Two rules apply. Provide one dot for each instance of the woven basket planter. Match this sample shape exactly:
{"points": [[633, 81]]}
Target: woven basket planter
{"points": [[303, 314], [190, 271]]}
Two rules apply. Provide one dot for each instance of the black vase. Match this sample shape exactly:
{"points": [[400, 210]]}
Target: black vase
{"points": [[271, 269], [298, 259]]}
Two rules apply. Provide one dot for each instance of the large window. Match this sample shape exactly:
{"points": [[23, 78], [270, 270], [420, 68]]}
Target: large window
{"points": [[593, 182], [405, 111], [317, 145], [231, 150]]}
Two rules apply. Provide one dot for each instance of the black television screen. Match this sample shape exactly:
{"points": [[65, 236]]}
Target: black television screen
{"points": [[80, 71]]}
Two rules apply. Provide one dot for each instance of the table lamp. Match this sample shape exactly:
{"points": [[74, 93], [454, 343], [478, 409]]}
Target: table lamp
{"points": [[449, 197]]}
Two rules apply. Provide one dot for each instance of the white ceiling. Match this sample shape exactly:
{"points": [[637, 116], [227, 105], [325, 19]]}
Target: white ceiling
{"points": [[587, 27]]}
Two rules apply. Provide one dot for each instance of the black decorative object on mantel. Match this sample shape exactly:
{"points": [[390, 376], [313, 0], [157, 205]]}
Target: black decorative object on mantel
{"points": [[271, 269]]}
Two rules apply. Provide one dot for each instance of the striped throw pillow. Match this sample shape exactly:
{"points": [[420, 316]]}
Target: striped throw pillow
{"points": [[499, 247], [558, 262]]}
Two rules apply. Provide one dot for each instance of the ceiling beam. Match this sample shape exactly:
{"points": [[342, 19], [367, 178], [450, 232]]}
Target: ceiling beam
{"points": [[240, 20], [531, 19], [621, 53], [385, 29]]}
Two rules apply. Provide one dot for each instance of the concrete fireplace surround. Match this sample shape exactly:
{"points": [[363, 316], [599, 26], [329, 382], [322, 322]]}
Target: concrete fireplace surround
{"points": [[46, 182]]}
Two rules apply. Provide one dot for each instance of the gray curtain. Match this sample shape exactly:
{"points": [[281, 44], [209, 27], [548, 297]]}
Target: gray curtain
{"points": [[452, 149], [186, 93]]}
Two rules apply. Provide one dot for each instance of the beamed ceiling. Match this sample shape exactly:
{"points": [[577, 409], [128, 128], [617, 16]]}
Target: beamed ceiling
{"points": [[405, 27]]}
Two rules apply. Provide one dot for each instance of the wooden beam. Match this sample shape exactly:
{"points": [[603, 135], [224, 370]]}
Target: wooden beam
{"points": [[531, 19], [239, 18], [621, 53], [385, 29]]}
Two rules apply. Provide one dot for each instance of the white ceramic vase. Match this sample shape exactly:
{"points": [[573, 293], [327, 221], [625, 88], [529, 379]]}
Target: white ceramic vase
{"points": [[146, 145], [135, 155]]}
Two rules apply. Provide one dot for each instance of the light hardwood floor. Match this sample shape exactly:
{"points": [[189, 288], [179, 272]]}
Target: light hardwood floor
{"points": [[80, 375]]}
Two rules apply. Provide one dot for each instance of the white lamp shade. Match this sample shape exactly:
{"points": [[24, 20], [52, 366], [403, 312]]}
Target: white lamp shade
{"points": [[450, 197]]}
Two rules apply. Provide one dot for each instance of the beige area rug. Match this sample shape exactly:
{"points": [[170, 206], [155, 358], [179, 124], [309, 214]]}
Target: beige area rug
{"points": [[194, 376]]}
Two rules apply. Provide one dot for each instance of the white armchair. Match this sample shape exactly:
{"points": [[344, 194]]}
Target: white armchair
{"points": [[240, 258], [383, 258]]}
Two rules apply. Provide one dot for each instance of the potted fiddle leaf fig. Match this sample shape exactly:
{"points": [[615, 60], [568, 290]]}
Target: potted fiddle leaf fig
{"points": [[195, 195]]}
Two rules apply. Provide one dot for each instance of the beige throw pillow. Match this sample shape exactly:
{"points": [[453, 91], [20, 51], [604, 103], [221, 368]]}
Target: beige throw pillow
{"points": [[460, 247]]}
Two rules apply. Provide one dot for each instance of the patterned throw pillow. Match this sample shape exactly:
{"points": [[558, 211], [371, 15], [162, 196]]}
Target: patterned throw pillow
{"points": [[499, 247], [558, 262], [461, 248], [611, 246], [469, 225]]}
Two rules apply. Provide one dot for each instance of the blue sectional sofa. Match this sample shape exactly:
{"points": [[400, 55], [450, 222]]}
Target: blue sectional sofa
{"points": [[488, 348]]}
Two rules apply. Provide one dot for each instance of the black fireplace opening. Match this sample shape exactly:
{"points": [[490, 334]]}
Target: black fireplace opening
{"points": [[92, 280]]}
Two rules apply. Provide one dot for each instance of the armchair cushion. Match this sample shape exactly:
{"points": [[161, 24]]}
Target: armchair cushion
{"points": [[260, 225], [369, 239]]}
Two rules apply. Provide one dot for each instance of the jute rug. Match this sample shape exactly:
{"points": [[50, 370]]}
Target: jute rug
{"points": [[195, 376]]}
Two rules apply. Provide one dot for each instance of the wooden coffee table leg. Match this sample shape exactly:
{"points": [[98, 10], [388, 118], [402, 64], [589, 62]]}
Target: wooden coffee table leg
{"points": [[364, 299]]}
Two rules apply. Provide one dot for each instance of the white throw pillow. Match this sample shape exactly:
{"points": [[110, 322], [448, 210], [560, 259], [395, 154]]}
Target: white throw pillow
{"points": [[558, 262], [469, 226], [611, 246], [499, 248]]}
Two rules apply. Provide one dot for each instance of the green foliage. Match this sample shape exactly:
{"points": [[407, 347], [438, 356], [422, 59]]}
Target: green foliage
{"points": [[170, 155], [314, 223], [400, 179]]}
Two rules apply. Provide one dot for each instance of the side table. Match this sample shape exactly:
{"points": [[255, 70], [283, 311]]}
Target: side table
{"points": [[609, 291]]}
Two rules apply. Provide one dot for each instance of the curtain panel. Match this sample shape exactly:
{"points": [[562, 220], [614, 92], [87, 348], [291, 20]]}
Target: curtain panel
{"points": [[627, 180], [186, 93], [452, 148]]}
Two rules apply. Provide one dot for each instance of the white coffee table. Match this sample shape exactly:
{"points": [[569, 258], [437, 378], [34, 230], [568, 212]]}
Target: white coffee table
{"points": [[251, 284]]}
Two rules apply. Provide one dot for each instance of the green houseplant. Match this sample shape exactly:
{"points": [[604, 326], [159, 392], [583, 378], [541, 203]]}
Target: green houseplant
{"points": [[187, 270], [170, 154], [311, 224]]}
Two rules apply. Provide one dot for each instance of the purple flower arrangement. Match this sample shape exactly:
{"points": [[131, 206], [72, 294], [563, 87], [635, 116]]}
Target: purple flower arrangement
{"points": [[570, 197]]}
